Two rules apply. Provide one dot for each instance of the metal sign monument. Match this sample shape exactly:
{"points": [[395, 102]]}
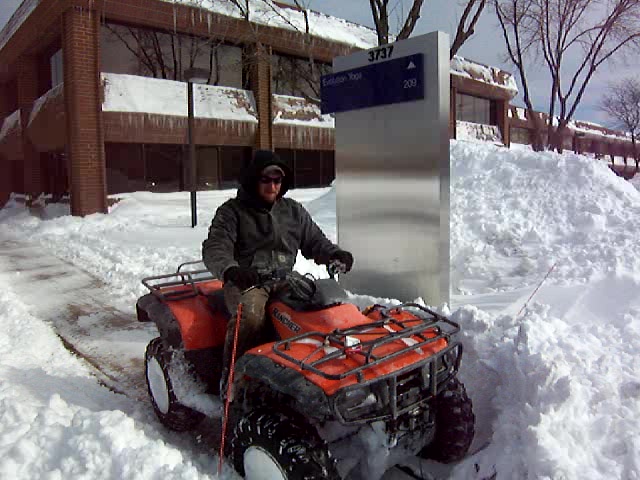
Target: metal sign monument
{"points": [[392, 166]]}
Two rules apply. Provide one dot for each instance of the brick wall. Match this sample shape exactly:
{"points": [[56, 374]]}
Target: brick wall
{"points": [[85, 147], [8, 100]]}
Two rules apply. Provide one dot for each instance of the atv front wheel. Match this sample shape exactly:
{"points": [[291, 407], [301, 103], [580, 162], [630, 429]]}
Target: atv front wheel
{"points": [[169, 411], [268, 445], [454, 425]]}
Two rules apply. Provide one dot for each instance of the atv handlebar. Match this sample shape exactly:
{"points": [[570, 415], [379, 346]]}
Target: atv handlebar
{"points": [[335, 267], [303, 286]]}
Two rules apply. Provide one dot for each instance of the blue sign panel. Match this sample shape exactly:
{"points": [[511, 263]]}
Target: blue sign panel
{"points": [[394, 81]]}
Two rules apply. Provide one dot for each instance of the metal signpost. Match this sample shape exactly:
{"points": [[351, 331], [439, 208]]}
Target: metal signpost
{"points": [[193, 75], [392, 166]]}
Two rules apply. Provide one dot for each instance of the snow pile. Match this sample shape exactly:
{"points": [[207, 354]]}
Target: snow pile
{"points": [[555, 385], [288, 110], [463, 67], [56, 421], [525, 212], [130, 93]]}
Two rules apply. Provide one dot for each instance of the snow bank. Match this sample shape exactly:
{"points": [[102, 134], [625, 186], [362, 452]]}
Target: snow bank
{"points": [[56, 421], [525, 211]]}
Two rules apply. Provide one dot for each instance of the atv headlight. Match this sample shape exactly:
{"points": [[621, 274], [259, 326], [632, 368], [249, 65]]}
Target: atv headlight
{"points": [[356, 402]]}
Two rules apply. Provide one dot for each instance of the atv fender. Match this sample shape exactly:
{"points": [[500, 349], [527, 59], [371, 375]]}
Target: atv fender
{"points": [[309, 399], [150, 309]]}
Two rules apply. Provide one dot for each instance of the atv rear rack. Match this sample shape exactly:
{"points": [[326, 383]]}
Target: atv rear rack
{"points": [[164, 290], [338, 339]]}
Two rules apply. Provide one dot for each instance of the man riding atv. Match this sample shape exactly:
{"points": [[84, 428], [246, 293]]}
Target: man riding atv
{"points": [[255, 234], [331, 391]]}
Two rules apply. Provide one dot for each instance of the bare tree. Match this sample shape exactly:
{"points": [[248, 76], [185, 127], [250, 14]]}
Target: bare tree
{"points": [[302, 77], [622, 104], [243, 7], [518, 26], [561, 31], [381, 11], [598, 30], [467, 24]]}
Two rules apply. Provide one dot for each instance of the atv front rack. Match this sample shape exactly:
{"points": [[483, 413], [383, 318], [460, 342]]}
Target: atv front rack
{"points": [[339, 341], [168, 286]]}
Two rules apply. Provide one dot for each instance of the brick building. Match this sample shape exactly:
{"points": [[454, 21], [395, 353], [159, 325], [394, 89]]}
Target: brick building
{"points": [[92, 100]]}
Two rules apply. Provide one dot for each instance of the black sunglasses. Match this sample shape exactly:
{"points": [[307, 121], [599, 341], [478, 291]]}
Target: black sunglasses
{"points": [[265, 180]]}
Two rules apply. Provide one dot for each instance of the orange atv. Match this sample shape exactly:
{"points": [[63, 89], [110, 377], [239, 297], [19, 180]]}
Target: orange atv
{"points": [[331, 389]]}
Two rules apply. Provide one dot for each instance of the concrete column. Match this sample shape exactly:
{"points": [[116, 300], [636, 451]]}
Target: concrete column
{"points": [[259, 59], [27, 86], [82, 94]]}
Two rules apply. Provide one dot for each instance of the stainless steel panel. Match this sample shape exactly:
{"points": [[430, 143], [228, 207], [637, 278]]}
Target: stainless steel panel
{"points": [[392, 184]]}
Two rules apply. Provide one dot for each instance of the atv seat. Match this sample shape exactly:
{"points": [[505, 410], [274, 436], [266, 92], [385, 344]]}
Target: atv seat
{"points": [[216, 302]]}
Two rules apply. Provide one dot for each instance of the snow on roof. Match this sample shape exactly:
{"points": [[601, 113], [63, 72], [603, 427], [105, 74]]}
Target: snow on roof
{"points": [[275, 14], [299, 111], [598, 130], [11, 122], [18, 17], [463, 67], [130, 93], [42, 101]]}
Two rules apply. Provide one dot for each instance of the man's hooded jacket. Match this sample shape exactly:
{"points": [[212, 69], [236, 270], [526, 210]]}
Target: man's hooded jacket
{"points": [[248, 232]]}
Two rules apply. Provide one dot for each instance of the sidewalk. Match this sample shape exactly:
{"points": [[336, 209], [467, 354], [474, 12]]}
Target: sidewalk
{"points": [[77, 305]]}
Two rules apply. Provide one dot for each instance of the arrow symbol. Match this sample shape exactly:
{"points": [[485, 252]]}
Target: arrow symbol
{"points": [[411, 66]]}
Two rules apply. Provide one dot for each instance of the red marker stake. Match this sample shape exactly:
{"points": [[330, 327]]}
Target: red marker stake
{"points": [[229, 388]]}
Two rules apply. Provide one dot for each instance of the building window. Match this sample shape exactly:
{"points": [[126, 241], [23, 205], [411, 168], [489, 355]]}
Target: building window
{"points": [[56, 69], [473, 109], [297, 77]]}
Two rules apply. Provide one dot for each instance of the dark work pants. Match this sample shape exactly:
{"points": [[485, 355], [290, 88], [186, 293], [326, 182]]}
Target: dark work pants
{"points": [[252, 323]]}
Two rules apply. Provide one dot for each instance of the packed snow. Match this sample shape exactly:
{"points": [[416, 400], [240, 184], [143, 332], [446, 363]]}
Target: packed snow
{"points": [[554, 377]]}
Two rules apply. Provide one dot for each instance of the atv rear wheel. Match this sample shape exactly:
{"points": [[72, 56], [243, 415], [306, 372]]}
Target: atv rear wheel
{"points": [[169, 411], [272, 445], [454, 425]]}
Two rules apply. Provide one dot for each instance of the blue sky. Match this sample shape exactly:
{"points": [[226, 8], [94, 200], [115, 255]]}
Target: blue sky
{"points": [[486, 46]]}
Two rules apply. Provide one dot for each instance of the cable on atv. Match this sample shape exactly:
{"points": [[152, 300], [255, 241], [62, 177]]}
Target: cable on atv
{"points": [[227, 401]]}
